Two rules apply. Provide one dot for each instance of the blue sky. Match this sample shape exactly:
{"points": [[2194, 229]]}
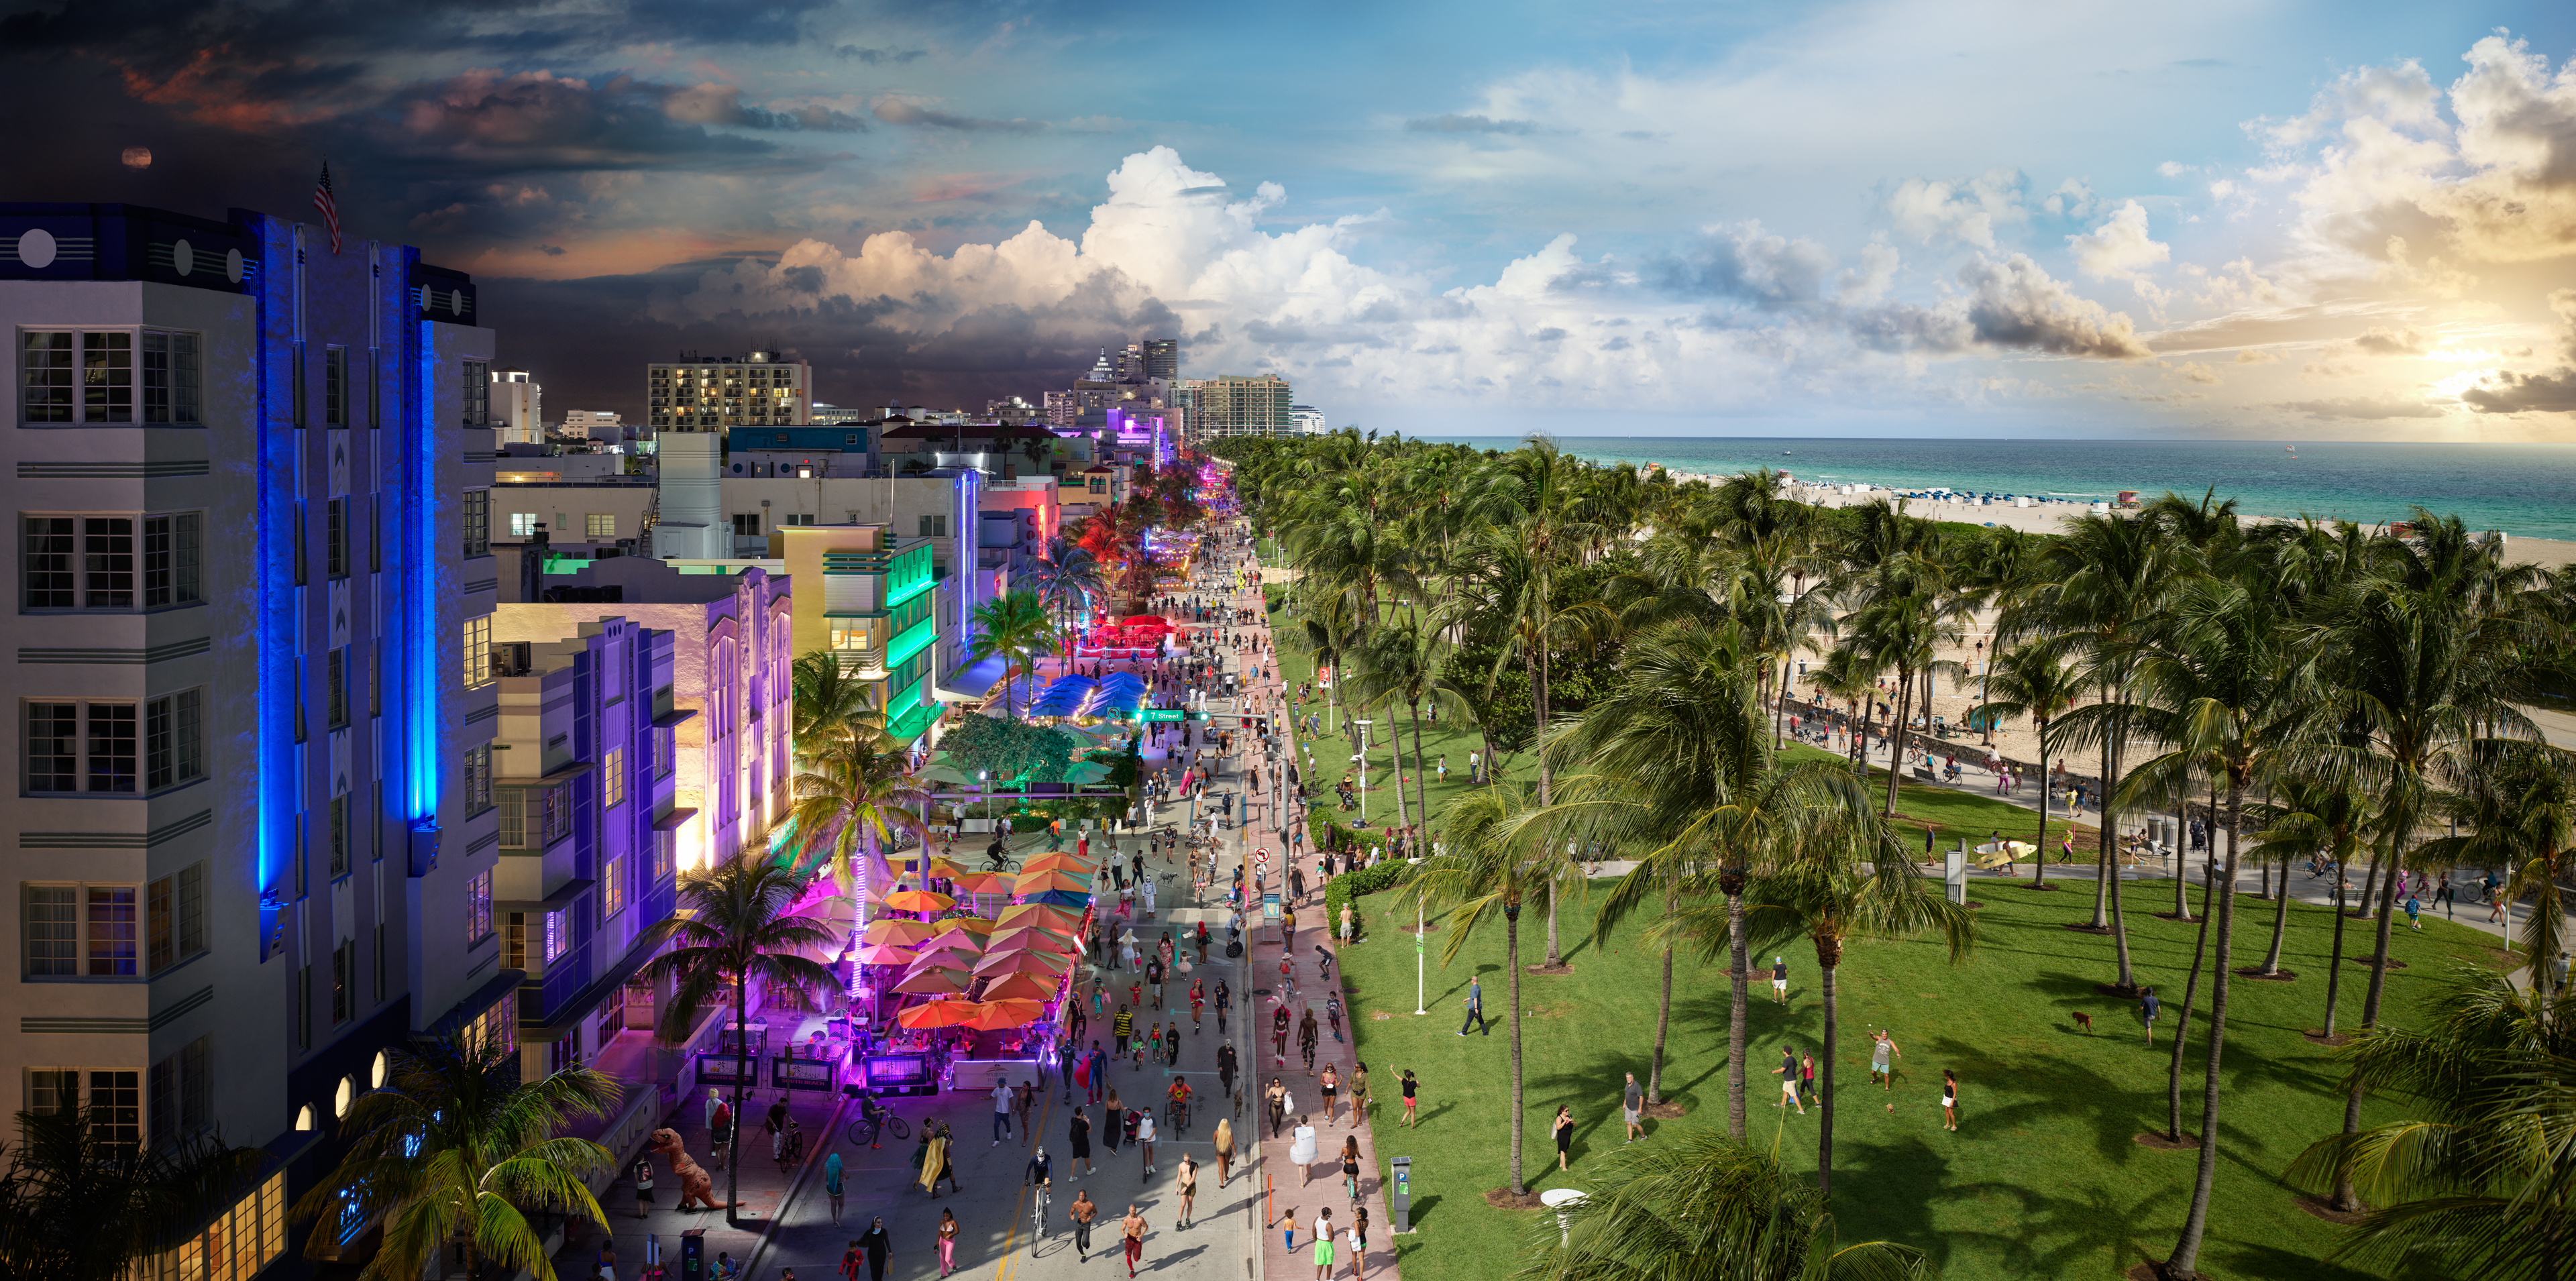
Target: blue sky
{"points": [[2295, 220]]}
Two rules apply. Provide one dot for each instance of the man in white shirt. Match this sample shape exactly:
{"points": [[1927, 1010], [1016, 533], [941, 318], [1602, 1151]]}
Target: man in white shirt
{"points": [[1001, 1110]]}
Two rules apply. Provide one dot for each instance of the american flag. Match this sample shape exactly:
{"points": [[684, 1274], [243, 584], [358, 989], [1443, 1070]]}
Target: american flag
{"points": [[330, 208]]}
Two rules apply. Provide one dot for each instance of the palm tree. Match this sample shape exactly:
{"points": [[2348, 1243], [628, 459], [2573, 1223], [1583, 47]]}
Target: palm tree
{"points": [[1016, 627], [1495, 866], [78, 1203], [1401, 664], [2319, 816], [830, 701], [2031, 679], [456, 1147], [1067, 577], [1705, 1207], [1906, 612], [2229, 686], [1679, 765], [740, 927], [1847, 878], [852, 798], [2479, 1183]]}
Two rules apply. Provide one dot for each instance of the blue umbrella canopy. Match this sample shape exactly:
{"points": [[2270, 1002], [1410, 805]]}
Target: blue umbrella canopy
{"points": [[1064, 697], [1060, 898]]}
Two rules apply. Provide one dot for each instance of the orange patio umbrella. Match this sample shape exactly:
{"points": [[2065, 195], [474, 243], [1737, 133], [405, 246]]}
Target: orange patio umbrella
{"points": [[884, 954], [1058, 863], [1003, 1015], [970, 924], [1026, 937], [946, 869], [1024, 987], [1023, 963], [937, 981], [1043, 915], [919, 901], [900, 933], [1040, 882], [940, 1014], [986, 883], [952, 937]]}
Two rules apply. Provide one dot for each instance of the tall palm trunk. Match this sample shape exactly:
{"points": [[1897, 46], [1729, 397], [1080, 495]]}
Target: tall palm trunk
{"points": [[741, 1072], [2387, 913], [2111, 867], [1829, 957], [1663, 1010], [1512, 963], [2182, 1021], [2345, 1199], [2195, 1225], [2039, 865], [1546, 779], [1896, 713], [2280, 925], [1780, 708], [1730, 882], [2102, 848], [1421, 782]]}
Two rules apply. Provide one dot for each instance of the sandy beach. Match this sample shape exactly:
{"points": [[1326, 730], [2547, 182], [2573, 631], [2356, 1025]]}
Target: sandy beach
{"points": [[2046, 517]]}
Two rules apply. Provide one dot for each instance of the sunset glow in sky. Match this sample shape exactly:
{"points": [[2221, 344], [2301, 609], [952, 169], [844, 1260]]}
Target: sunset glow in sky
{"points": [[2242, 219]]}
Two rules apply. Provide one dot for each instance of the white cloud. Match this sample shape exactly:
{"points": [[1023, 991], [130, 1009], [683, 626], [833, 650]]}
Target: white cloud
{"points": [[2120, 248], [1931, 210], [2072, 199]]}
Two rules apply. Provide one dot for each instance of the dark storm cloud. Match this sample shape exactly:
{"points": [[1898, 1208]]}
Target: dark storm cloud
{"points": [[1454, 123], [2506, 392], [588, 340]]}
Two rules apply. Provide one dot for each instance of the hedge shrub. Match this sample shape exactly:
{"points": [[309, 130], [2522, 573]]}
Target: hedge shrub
{"points": [[1368, 880]]}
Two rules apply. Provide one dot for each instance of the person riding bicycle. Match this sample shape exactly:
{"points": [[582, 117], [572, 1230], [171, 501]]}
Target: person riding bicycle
{"points": [[1040, 1171], [1179, 1095]]}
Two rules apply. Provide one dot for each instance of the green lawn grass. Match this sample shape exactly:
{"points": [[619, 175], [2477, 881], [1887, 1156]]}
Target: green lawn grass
{"points": [[2044, 1179]]}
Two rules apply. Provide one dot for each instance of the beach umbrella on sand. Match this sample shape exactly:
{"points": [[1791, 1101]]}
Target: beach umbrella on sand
{"points": [[1023, 963], [918, 901], [939, 1014], [939, 981], [1003, 1015], [898, 933], [1027, 987]]}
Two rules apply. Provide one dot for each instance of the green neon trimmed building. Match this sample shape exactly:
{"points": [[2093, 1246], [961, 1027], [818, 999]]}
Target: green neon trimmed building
{"points": [[879, 610]]}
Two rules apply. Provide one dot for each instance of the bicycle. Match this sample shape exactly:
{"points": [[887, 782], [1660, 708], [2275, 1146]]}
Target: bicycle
{"points": [[864, 1131], [791, 1148], [1038, 1211]]}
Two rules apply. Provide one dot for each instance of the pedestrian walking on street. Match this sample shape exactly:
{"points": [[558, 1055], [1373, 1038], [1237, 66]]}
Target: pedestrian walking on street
{"points": [[1779, 980], [1632, 1109], [832, 1185], [1351, 1165], [1306, 1037], [850, 1261], [947, 1241], [1323, 1243], [1359, 1240], [878, 1246], [1224, 1150], [1807, 1077], [1188, 1186], [1226, 1066], [1003, 1097], [1145, 1140], [1331, 1085], [1302, 1151], [1079, 1133]]}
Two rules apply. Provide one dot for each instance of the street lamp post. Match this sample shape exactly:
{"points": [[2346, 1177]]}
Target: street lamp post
{"points": [[1363, 746]]}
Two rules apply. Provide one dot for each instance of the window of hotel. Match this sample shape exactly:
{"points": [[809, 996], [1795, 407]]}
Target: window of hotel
{"points": [[662, 752], [93, 747], [478, 651], [477, 388], [664, 842], [335, 387], [93, 376], [344, 966], [180, 1102], [335, 538], [174, 911], [478, 909], [599, 524], [339, 819], [113, 1096], [523, 524], [171, 547], [612, 778], [478, 522], [612, 885], [477, 787], [80, 931], [335, 680]]}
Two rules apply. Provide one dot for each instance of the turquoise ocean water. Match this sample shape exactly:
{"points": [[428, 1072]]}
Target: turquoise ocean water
{"points": [[2528, 490]]}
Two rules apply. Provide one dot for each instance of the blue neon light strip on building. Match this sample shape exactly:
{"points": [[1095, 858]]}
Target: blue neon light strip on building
{"points": [[420, 645]]}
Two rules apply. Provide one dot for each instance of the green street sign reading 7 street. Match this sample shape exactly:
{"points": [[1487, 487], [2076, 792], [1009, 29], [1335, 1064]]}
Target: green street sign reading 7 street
{"points": [[1160, 714]]}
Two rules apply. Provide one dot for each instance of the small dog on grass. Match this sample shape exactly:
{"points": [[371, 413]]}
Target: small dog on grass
{"points": [[2084, 1021]]}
